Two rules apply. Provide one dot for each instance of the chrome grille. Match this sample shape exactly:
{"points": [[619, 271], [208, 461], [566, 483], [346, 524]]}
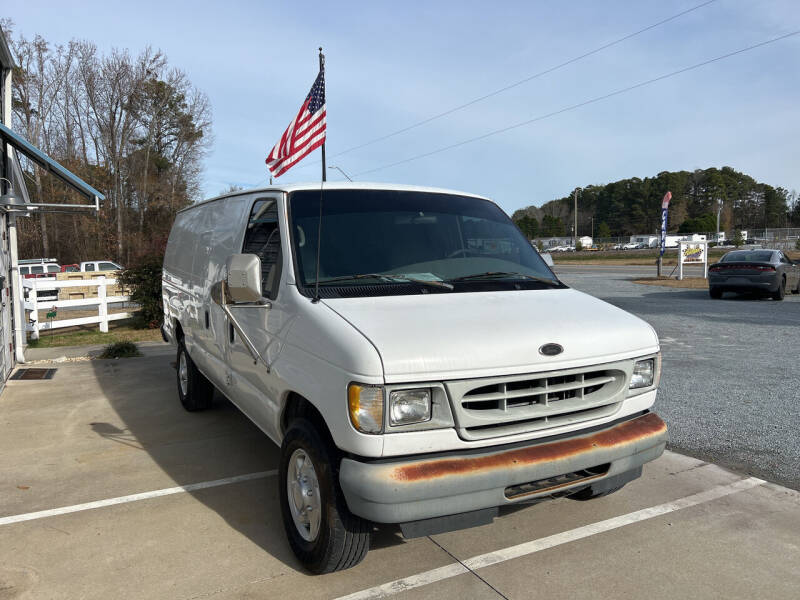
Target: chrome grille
{"points": [[517, 404]]}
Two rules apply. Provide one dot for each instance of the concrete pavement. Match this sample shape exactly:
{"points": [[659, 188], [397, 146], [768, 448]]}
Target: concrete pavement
{"points": [[114, 429]]}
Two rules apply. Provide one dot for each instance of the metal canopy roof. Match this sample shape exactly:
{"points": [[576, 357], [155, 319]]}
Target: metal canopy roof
{"points": [[22, 145], [6, 60]]}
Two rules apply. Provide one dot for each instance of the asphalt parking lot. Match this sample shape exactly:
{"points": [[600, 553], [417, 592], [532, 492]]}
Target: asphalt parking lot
{"points": [[110, 490], [730, 389]]}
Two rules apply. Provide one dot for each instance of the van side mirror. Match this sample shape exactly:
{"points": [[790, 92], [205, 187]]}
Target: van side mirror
{"points": [[244, 278]]}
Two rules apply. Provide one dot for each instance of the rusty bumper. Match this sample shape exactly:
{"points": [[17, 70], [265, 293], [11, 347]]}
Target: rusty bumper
{"points": [[411, 490]]}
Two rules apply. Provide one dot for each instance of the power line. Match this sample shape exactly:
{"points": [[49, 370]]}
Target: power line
{"points": [[521, 81], [511, 86], [579, 105]]}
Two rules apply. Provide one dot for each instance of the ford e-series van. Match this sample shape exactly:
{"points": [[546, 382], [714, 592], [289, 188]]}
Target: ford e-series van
{"points": [[411, 353]]}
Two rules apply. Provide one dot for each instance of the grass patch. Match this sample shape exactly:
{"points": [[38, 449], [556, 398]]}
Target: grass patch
{"points": [[692, 283], [628, 257], [90, 335], [125, 349]]}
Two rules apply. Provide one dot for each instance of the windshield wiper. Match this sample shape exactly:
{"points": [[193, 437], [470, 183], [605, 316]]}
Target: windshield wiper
{"points": [[499, 274], [390, 277]]}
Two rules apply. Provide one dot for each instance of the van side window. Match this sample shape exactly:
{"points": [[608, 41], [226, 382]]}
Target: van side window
{"points": [[263, 239]]}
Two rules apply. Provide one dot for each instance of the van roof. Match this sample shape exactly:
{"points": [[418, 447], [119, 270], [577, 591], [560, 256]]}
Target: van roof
{"points": [[339, 185]]}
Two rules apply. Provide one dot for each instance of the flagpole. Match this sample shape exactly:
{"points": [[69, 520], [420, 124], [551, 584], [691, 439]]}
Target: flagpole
{"points": [[322, 70]]}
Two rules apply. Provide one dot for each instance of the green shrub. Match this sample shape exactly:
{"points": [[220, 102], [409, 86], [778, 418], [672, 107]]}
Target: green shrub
{"points": [[145, 284], [120, 350], [578, 246]]}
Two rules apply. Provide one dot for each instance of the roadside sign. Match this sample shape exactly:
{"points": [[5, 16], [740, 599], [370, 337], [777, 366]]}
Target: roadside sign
{"points": [[664, 209], [52, 313], [693, 253]]}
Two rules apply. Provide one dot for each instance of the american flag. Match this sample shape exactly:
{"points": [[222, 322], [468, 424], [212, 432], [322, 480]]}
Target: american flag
{"points": [[305, 133]]}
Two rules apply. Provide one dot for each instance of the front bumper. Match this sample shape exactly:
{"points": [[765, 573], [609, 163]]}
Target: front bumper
{"points": [[410, 490]]}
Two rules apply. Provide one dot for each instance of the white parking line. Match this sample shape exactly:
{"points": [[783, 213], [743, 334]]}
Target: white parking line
{"points": [[492, 558], [134, 497]]}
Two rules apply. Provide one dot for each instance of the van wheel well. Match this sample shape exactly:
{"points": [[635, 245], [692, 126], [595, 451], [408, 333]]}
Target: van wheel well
{"points": [[298, 407], [178, 331]]}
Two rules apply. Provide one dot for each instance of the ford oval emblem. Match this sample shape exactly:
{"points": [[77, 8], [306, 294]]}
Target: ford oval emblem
{"points": [[551, 349]]}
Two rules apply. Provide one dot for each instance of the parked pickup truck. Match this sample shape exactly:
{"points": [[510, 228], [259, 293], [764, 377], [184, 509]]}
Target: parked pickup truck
{"points": [[412, 355], [41, 268], [99, 265]]}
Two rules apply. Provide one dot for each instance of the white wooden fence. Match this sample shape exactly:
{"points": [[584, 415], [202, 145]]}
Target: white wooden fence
{"points": [[39, 308]]}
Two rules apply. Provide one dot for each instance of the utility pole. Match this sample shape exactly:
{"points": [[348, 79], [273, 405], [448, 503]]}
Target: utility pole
{"points": [[575, 226], [719, 211]]}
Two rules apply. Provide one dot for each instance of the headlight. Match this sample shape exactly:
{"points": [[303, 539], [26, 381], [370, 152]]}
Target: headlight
{"points": [[365, 405], [409, 406], [646, 373]]}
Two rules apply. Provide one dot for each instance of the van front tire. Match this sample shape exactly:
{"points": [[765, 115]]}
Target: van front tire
{"points": [[332, 539], [194, 390]]}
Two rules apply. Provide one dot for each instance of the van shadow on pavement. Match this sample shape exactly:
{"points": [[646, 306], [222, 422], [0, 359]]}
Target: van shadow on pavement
{"points": [[196, 447]]}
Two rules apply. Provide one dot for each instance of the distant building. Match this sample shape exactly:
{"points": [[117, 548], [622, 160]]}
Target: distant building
{"points": [[563, 242], [650, 240], [554, 242], [670, 241]]}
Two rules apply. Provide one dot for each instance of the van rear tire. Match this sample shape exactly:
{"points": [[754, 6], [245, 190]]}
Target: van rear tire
{"points": [[328, 537], [194, 390]]}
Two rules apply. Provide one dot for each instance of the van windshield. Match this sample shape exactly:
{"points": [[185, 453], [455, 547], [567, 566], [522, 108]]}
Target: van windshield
{"points": [[407, 242]]}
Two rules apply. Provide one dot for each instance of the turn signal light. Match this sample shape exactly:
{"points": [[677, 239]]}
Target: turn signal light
{"points": [[365, 405]]}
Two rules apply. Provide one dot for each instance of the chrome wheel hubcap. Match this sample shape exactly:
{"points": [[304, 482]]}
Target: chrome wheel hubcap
{"points": [[183, 373], [302, 488]]}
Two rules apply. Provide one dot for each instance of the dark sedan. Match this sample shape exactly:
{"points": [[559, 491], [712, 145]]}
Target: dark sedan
{"points": [[768, 272]]}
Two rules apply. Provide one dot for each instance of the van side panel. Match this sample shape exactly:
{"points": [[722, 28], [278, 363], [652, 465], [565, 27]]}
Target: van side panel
{"points": [[177, 273], [220, 237]]}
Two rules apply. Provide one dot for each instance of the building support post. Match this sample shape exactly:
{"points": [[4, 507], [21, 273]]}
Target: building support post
{"points": [[17, 293], [575, 224]]}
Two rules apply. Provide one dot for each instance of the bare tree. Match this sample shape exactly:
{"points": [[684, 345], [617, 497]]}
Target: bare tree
{"points": [[131, 126], [37, 85]]}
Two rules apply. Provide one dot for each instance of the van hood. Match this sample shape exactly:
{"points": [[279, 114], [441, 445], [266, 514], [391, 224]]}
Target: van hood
{"points": [[431, 337]]}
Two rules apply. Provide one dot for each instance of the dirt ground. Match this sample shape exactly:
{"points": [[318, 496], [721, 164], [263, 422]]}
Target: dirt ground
{"points": [[692, 283]]}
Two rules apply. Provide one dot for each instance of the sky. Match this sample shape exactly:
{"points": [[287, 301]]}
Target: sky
{"points": [[390, 65]]}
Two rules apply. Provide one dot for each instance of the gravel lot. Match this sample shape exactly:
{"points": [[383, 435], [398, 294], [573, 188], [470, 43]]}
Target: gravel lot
{"points": [[730, 389]]}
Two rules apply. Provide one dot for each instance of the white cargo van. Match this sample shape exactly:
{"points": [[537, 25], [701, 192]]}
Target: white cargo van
{"points": [[420, 366]]}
